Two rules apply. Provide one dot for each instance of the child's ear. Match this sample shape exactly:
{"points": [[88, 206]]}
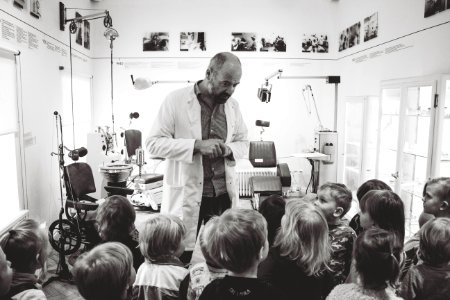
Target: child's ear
{"points": [[338, 212], [444, 205]]}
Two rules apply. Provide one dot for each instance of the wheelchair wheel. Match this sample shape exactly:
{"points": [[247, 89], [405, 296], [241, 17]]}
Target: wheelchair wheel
{"points": [[70, 233]]}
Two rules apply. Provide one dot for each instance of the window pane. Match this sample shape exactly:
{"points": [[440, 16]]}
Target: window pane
{"points": [[444, 169], [8, 184], [8, 99]]}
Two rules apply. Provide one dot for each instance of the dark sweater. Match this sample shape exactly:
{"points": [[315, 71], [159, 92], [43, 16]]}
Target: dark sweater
{"points": [[290, 280], [230, 288]]}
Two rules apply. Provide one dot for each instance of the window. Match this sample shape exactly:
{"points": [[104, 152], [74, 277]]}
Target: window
{"points": [[11, 183]]}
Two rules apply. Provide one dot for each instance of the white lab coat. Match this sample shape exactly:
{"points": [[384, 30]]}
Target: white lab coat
{"points": [[172, 136]]}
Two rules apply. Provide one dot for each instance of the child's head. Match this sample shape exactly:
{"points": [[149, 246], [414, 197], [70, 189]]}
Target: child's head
{"points": [[239, 241], [334, 199], [162, 236], [6, 273], [377, 258], [26, 246], [115, 219], [105, 272], [204, 240], [303, 236], [273, 210], [434, 242], [383, 209], [436, 197], [371, 185]]}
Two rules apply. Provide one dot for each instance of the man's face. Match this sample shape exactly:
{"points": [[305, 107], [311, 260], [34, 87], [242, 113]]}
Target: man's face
{"points": [[221, 83]]}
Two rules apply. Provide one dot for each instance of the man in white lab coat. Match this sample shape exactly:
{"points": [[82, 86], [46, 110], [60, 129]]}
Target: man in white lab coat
{"points": [[201, 133]]}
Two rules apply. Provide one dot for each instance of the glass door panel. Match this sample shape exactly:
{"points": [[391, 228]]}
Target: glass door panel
{"points": [[388, 136], [444, 164], [354, 113], [370, 138]]}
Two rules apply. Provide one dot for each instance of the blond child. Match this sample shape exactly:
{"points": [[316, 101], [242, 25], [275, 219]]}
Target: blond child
{"points": [[334, 200], [161, 243], [431, 279], [239, 243], [297, 262], [436, 198], [202, 273], [27, 249], [6, 274], [105, 272]]}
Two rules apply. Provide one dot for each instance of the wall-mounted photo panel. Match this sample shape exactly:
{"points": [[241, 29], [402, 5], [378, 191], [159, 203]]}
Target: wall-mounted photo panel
{"points": [[155, 41], [192, 41], [315, 43], [35, 8], [20, 4], [448, 4], [371, 27], [79, 34], [272, 43], [349, 37], [433, 7], [243, 41], [87, 34]]}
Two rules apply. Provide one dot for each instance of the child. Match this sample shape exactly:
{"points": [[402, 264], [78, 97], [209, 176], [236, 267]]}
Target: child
{"points": [[239, 243], [6, 274], [334, 200], [27, 251], [436, 198], [273, 210], [202, 273], [384, 209], [369, 185], [105, 272], [161, 243], [377, 265], [296, 262], [431, 279], [115, 221]]}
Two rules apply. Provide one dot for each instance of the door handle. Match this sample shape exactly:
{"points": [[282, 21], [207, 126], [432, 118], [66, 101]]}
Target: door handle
{"points": [[395, 175]]}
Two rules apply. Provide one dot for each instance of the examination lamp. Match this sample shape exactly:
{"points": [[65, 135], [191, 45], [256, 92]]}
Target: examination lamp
{"points": [[141, 83]]}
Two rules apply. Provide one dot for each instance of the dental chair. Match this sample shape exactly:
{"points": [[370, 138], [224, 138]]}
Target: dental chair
{"points": [[262, 154]]}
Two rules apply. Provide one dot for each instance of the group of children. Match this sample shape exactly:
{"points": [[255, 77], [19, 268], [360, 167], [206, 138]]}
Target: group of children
{"points": [[290, 249]]}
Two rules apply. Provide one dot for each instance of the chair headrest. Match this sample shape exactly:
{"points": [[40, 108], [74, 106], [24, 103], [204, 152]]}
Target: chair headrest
{"points": [[133, 140], [80, 179], [262, 154]]}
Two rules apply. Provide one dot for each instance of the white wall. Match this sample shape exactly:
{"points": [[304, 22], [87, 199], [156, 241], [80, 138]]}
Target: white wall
{"points": [[41, 95], [426, 41]]}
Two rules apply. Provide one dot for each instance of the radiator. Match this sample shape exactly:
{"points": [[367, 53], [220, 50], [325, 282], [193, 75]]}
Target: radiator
{"points": [[244, 177]]}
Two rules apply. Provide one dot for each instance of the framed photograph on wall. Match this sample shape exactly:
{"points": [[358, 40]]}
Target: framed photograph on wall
{"points": [[35, 8], [316, 43], [448, 4], [155, 41], [79, 33], [433, 7], [371, 27], [20, 4], [272, 43], [243, 41], [192, 41], [349, 37], [87, 34]]}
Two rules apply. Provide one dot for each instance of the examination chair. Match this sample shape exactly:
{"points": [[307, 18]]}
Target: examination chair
{"points": [[262, 154]]}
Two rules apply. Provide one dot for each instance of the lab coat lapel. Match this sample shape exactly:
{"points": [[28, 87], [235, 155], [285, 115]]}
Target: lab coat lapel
{"points": [[229, 112], [194, 113]]}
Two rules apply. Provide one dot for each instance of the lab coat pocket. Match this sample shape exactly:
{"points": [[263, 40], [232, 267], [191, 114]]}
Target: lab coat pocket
{"points": [[174, 206]]}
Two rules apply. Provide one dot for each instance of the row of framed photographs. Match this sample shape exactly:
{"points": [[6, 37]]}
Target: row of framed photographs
{"points": [[239, 41], [350, 36], [433, 7], [33, 5]]}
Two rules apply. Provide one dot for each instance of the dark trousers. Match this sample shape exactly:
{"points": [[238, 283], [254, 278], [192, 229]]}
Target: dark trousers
{"points": [[212, 206]]}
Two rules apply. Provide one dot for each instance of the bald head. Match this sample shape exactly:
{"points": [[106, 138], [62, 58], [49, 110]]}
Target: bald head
{"points": [[221, 58]]}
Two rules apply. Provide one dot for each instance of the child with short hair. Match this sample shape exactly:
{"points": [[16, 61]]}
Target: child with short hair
{"points": [[431, 279], [273, 208], [105, 272], [334, 200], [377, 265], [202, 273], [27, 251], [436, 198], [161, 243], [239, 243], [369, 185], [297, 261], [6, 274], [115, 223]]}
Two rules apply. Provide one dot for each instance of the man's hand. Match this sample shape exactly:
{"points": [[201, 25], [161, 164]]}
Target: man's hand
{"points": [[212, 148]]}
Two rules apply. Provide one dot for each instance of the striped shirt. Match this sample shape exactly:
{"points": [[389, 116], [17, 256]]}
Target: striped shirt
{"points": [[214, 126]]}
